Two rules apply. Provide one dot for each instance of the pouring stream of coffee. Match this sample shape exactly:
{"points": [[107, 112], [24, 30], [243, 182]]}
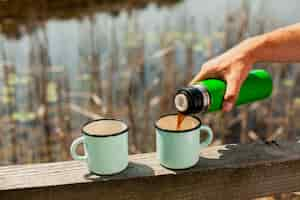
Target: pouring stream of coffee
{"points": [[180, 118]]}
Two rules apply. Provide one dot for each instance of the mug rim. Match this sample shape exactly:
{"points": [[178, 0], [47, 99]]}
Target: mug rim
{"points": [[177, 131], [103, 119]]}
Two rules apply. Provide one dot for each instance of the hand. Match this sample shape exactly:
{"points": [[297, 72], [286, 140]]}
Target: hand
{"points": [[233, 66]]}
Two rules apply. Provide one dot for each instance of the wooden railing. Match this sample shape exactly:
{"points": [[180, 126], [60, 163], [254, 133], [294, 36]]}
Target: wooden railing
{"points": [[223, 172]]}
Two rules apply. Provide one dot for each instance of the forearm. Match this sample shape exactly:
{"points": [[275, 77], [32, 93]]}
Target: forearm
{"points": [[281, 45]]}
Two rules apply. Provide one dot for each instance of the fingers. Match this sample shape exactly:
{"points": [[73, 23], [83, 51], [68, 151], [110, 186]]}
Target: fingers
{"points": [[231, 93], [234, 74], [234, 81]]}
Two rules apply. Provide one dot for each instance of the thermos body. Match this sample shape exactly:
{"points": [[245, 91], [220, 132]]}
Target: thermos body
{"points": [[208, 95]]}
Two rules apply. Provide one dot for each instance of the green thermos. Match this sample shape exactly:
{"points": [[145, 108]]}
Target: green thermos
{"points": [[207, 95]]}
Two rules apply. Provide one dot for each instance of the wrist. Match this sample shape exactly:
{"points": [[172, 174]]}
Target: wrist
{"points": [[256, 47]]}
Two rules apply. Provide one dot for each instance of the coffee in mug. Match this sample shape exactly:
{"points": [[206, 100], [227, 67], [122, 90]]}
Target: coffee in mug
{"points": [[167, 123]]}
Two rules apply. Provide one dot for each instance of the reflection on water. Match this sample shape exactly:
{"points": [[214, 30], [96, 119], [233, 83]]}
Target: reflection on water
{"points": [[57, 74]]}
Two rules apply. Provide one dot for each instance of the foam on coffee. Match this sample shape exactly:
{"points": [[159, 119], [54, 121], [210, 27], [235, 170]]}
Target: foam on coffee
{"points": [[170, 123], [104, 127]]}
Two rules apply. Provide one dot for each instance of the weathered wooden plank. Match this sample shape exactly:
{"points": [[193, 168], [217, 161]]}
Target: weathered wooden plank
{"points": [[223, 172]]}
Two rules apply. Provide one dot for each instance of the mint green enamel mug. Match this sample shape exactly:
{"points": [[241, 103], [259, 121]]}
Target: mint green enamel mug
{"points": [[179, 149], [105, 143]]}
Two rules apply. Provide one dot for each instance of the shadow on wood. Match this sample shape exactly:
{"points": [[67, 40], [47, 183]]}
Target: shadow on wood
{"points": [[133, 169]]}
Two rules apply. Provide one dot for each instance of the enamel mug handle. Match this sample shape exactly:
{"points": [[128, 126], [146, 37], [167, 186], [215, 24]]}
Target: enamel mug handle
{"points": [[73, 148], [209, 138]]}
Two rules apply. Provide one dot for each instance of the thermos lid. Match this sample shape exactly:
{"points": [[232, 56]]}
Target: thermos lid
{"points": [[191, 100]]}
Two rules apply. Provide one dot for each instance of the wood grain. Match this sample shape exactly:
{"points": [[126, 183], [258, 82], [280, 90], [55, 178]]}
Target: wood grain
{"points": [[223, 172]]}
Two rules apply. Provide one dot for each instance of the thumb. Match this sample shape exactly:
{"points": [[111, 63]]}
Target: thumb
{"points": [[231, 94]]}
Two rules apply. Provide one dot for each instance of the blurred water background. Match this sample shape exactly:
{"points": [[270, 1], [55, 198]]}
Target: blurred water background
{"points": [[65, 62]]}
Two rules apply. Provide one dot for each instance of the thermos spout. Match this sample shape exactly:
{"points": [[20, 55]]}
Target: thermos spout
{"points": [[181, 102]]}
